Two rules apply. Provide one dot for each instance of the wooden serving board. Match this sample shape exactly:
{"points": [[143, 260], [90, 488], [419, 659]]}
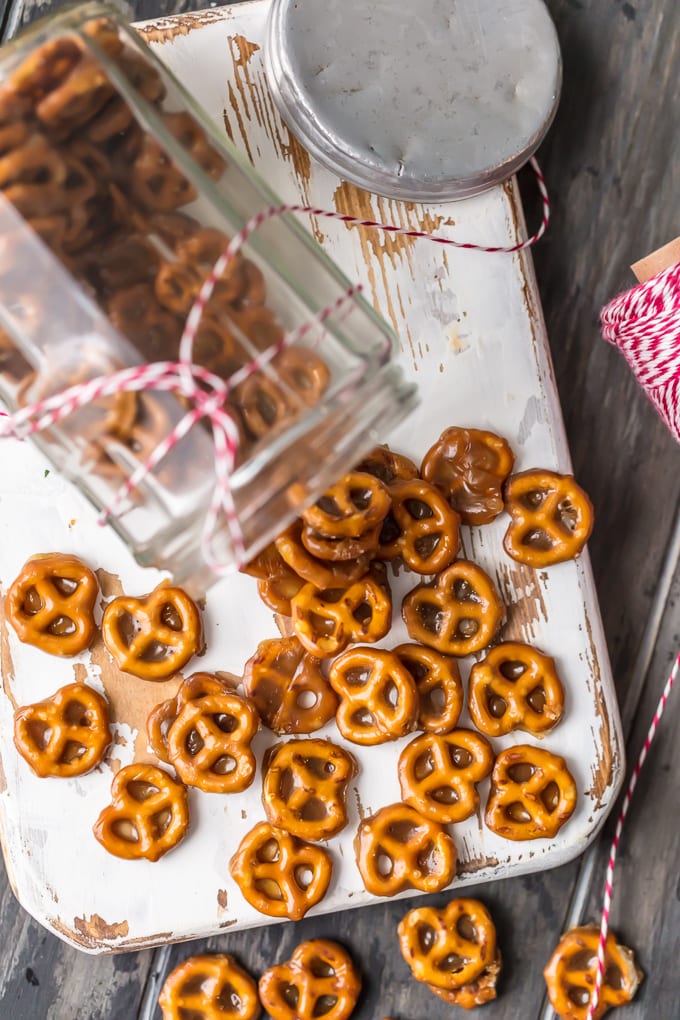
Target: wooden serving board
{"points": [[473, 338]]}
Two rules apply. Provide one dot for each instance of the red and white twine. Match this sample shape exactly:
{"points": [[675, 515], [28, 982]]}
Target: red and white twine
{"points": [[644, 323], [609, 878], [206, 392]]}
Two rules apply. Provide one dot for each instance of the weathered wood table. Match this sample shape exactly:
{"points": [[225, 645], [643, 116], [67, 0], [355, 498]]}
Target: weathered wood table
{"points": [[613, 166]]}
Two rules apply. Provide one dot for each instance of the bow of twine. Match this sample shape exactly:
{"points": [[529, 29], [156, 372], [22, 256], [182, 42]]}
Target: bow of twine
{"points": [[207, 393]]}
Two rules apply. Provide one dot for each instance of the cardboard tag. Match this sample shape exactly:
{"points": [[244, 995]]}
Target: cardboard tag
{"points": [[662, 258]]}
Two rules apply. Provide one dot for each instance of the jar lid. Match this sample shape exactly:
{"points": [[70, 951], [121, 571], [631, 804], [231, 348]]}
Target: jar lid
{"points": [[427, 100]]}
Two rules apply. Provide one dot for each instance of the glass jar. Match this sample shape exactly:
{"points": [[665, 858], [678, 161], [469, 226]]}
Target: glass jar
{"points": [[117, 196]]}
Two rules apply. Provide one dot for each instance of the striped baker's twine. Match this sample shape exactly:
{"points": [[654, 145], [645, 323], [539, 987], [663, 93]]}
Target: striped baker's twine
{"points": [[608, 882], [206, 392]]}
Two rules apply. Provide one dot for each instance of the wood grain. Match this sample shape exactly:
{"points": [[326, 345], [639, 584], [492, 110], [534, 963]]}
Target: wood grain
{"points": [[612, 164]]}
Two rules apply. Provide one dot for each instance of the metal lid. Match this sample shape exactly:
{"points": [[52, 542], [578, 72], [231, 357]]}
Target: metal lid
{"points": [[427, 100]]}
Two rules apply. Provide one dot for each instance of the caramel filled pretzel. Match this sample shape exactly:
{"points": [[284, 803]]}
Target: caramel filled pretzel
{"points": [[278, 874], [288, 688], [438, 686], [319, 982], [388, 466], [154, 636], [570, 974], [532, 794], [304, 789], [552, 518], [398, 849], [438, 774], [421, 527], [341, 549], [313, 570], [209, 743], [195, 687], [209, 987], [65, 735], [451, 948], [327, 620], [479, 991], [350, 508], [298, 377], [458, 614], [277, 592], [148, 814], [51, 604], [515, 687], [378, 700], [470, 467]]}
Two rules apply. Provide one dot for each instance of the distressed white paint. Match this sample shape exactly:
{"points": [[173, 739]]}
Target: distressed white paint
{"points": [[480, 356]]}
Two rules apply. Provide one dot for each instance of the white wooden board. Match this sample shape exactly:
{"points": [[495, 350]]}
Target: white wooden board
{"points": [[473, 338]]}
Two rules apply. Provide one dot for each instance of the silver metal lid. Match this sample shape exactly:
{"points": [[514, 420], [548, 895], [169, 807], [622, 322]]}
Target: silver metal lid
{"points": [[427, 100]]}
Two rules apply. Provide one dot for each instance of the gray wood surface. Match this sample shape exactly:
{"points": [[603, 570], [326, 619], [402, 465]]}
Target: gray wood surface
{"points": [[613, 166]]}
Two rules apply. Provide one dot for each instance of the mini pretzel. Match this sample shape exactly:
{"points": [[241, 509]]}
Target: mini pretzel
{"points": [[327, 620], [303, 372], [192, 137], [157, 182], [378, 700], [263, 403], [515, 687], [552, 518], [438, 686], [32, 178], [304, 788], [278, 591], [148, 814], [278, 874], [51, 604], [81, 94], [458, 614], [65, 735], [142, 74], [288, 688], [319, 981], [341, 549], [46, 68], [388, 466], [241, 279], [209, 987], [136, 314], [452, 948], [570, 974], [349, 508], [154, 636], [398, 849], [532, 794], [478, 992], [316, 571], [195, 687], [209, 743], [124, 262], [438, 774], [421, 527], [470, 467]]}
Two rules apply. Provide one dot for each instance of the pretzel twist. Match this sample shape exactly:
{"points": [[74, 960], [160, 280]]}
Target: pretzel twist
{"points": [[439, 774], [458, 614], [327, 620], [570, 974], [438, 686], [378, 700], [50, 604], [209, 743], [288, 688], [319, 982], [316, 571], [398, 849], [148, 814], [278, 874], [532, 794], [448, 948], [209, 988], [65, 735], [355, 504], [155, 636], [515, 687], [552, 518], [420, 527], [386, 465], [304, 790]]}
